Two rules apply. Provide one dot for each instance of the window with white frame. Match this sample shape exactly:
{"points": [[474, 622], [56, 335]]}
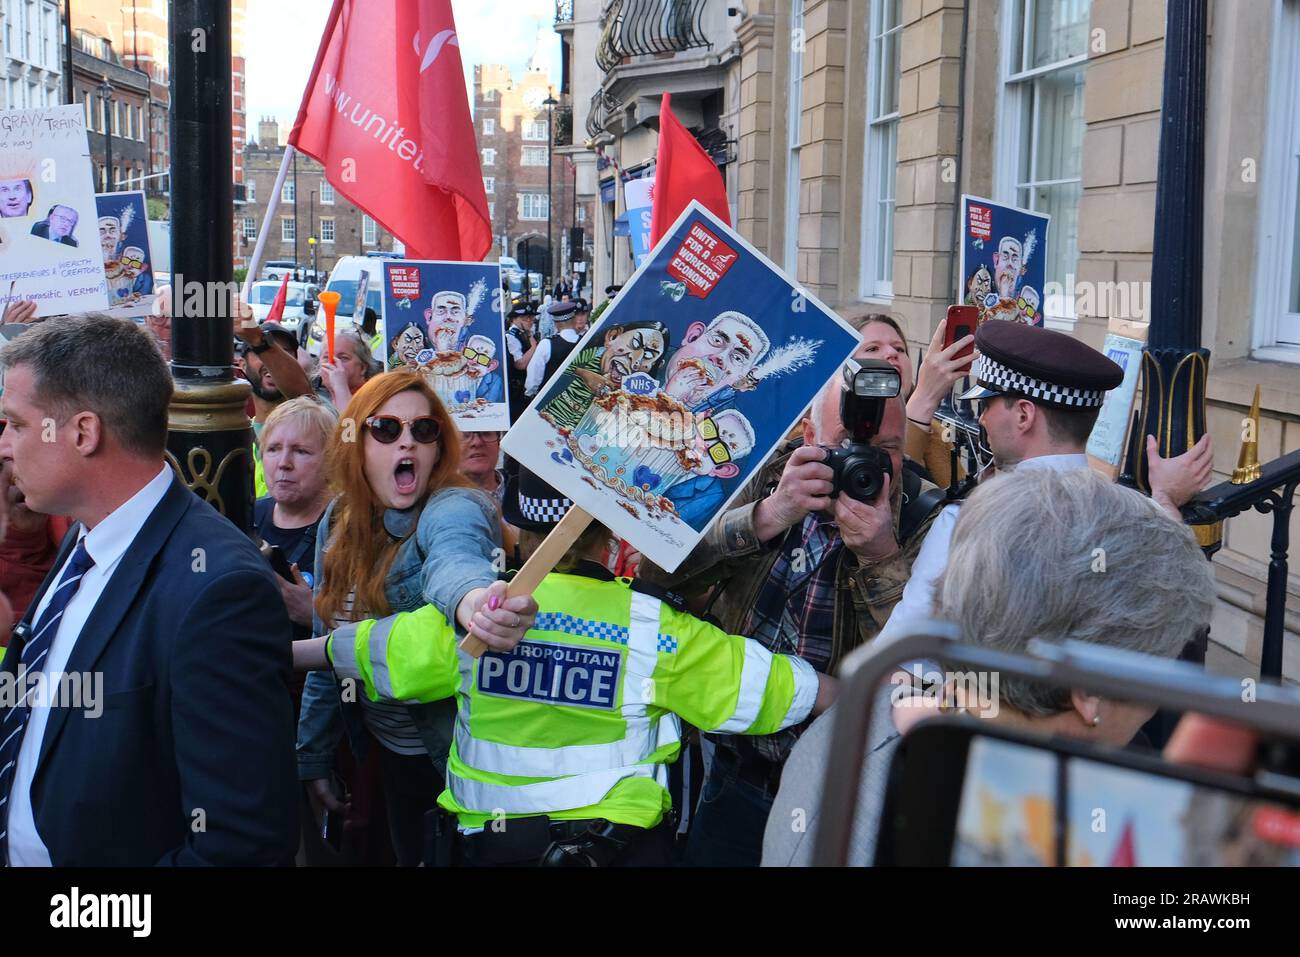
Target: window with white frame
{"points": [[1040, 138], [533, 156], [489, 184], [288, 229], [139, 123], [250, 228], [326, 193], [250, 191], [489, 126], [532, 205], [883, 76], [287, 192], [582, 214], [1275, 332], [794, 109], [492, 210], [327, 229], [489, 157], [369, 234], [535, 130]]}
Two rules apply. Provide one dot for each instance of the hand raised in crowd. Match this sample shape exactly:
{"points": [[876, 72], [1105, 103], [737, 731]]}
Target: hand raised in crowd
{"points": [[246, 324], [1175, 480], [297, 596], [499, 622], [939, 370], [19, 311], [867, 528], [805, 486], [335, 378]]}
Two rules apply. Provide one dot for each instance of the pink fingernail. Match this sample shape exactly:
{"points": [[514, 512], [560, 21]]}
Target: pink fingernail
{"points": [[493, 602]]}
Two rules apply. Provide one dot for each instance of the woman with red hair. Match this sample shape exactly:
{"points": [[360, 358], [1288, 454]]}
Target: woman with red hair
{"points": [[407, 529]]}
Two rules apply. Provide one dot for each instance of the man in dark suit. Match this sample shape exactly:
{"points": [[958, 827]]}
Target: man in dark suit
{"points": [[171, 741]]}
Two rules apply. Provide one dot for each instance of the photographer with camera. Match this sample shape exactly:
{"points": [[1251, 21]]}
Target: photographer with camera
{"points": [[810, 560]]}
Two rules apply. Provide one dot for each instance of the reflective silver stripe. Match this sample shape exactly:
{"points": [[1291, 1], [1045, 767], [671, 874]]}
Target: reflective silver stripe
{"points": [[753, 683], [562, 794], [343, 651], [806, 683], [378, 645], [640, 739]]}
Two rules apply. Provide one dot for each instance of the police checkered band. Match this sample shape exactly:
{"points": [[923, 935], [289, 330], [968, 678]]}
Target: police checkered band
{"points": [[583, 627], [994, 375], [667, 644], [546, 511]]}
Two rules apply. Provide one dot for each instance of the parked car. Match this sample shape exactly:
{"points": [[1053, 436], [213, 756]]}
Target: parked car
{"points": [[299, 302], [277, 269]]}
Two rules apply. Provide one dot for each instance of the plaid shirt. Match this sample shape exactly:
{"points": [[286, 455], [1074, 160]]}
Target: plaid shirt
{"points": [[794, 613]]}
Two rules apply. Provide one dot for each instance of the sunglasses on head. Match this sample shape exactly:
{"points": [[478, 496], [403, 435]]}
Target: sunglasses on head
{"points": [[387, 429]]}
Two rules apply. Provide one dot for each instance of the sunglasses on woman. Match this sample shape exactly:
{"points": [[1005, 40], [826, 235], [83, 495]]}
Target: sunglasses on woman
{"points": [[387, 429]]}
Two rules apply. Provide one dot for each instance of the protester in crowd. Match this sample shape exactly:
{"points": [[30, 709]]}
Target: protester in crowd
{"points": [[480, 458], [1041, 392], [406, 530], [27, 552], [563, 289], [352, 367], [1022, 565], [294, 439], [159, 323], [802, 573], [602, 753], [165, 601]]}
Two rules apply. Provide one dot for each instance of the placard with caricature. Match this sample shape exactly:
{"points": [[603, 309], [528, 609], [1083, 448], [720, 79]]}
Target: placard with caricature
{"points": [[48, 252], [446, 320], [1003, 260], [124, 243], [681, 389]]}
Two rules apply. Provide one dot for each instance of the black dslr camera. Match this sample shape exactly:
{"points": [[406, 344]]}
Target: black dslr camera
{"points": [[860, 468]]}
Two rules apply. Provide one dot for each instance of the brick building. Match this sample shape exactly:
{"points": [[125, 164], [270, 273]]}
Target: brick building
{"points": [[511, 125], [309, 206], [116, 125], [860, 123]]}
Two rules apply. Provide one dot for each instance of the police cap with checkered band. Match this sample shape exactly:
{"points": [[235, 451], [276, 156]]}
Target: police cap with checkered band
{"points": [[531, 504], [1040, 364]]}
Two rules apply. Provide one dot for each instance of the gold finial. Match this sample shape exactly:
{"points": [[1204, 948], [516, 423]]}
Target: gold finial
{"points": [[1247, 469]]}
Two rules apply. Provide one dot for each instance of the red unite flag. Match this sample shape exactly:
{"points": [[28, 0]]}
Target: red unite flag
{"points": [[683, 172], [387, 113], [276, 312]]}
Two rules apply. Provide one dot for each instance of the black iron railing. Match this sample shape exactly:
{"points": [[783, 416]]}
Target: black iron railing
{"points": [[602, 108], [632, 28], [1274, 491]]}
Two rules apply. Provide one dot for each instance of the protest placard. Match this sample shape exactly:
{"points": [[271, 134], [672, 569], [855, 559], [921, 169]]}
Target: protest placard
{"points": [[446, 320], [1003, 260], [47, 212], [682, 388], [1124, 343], [128, 259]]}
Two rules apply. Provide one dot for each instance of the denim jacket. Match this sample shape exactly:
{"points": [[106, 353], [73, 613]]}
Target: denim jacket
{"points": [[450, 554]]}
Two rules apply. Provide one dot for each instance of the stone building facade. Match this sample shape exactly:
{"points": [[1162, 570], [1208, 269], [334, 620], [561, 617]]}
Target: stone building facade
{"points": [[340, 227], [858, 125]]}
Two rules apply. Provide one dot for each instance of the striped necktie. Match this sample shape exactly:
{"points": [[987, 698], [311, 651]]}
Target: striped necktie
{"points": [[32, 659]]}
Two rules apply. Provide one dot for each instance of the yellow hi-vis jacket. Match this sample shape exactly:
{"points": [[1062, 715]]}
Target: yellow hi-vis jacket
{"points": [[581, 719]]}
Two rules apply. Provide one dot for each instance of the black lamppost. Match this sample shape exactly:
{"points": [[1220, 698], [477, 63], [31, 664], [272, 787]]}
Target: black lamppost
{"points": [[550, 103], [106, 95], [209, 439]]}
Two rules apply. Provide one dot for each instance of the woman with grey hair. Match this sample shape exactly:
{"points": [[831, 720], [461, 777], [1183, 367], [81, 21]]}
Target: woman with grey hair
{"points": [[1035, 554], [353, 365]]}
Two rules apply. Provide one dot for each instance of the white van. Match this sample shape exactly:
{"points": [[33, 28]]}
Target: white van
{"points": [[343, 280]]}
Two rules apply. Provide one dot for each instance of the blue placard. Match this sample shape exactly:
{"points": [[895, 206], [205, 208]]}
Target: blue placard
{"points": [[447, 320], [732, 351], [1003, 261], [553, 674]]}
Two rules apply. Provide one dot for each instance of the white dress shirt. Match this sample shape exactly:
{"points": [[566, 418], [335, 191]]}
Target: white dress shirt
{"points": [[537, 364], [106, 543], [932, 559]]}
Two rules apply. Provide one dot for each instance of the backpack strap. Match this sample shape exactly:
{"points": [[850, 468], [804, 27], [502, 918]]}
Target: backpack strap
{"points": [[918, 504]]}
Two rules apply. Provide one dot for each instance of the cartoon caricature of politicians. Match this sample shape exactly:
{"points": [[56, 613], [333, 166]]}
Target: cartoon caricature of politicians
{"points": [[715, 358], [481, 365], [723, 440]]}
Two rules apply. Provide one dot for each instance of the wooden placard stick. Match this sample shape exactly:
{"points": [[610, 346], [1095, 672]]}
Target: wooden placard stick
{"points": [[539, 565]]}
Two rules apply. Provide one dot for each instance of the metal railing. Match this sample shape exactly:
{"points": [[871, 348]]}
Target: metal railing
{"points": [[632, 28], [563, 11], [603, 106], [1274, 491]]}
